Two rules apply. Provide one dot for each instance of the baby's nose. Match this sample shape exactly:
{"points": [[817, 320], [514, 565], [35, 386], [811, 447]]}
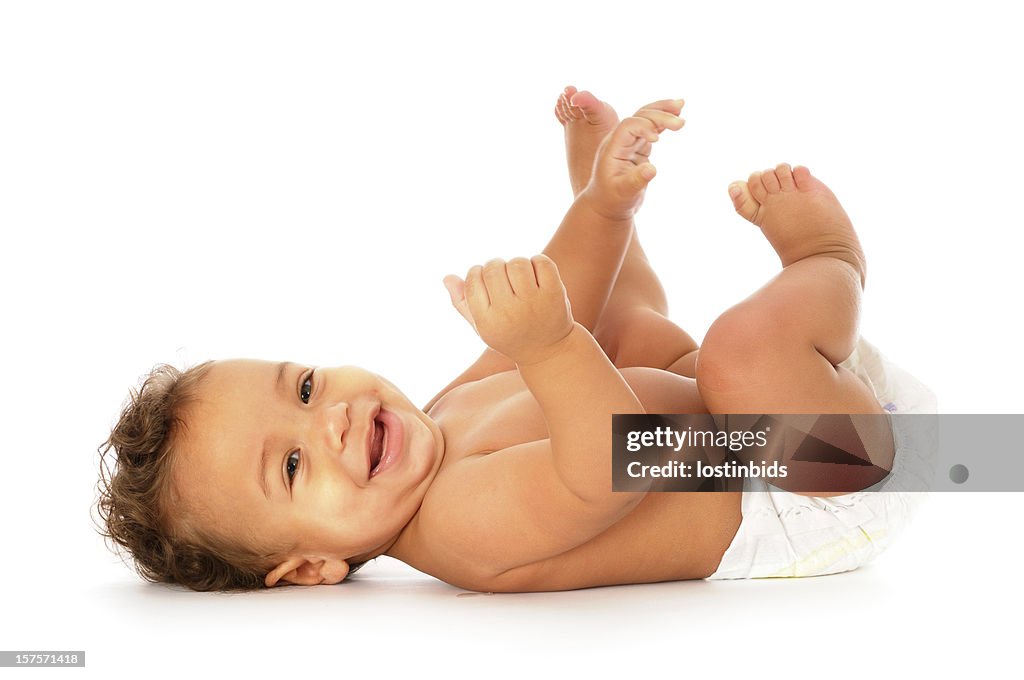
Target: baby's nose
{"points": [[337, 425]]}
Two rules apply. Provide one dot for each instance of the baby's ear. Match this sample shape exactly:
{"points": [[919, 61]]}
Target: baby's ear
{"points": [[308, 571]]}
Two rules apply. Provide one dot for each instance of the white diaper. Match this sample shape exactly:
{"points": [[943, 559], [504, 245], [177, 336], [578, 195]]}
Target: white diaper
{"points": [[783, 534]]}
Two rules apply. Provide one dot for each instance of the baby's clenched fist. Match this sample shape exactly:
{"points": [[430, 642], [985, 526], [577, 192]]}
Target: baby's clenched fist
{"points": [[519, 308]]}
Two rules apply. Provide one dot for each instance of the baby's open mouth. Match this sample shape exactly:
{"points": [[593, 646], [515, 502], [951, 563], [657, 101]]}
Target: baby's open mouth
{"points": [[377, 448]]}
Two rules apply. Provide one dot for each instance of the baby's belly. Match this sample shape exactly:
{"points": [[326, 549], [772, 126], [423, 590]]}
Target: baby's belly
{"points": [[668, 536]]}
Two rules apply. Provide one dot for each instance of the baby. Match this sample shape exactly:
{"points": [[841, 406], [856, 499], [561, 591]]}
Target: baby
{"points": [[239, 474]]}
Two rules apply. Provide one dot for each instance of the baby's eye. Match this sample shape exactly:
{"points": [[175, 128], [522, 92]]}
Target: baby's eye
{"points": [[290, 467], [307, 389]]}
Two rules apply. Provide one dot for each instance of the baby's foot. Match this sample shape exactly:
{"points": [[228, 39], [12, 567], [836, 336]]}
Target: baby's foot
{"points": [[799, 215], [587, 120], [622, 167]]}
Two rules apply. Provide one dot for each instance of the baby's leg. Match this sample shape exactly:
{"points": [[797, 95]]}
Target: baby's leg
{"points": [[633, 328], [776, 351]]}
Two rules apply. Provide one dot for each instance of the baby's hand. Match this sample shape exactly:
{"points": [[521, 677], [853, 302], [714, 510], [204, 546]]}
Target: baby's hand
{"points": [[518, 308], [622, 168]]}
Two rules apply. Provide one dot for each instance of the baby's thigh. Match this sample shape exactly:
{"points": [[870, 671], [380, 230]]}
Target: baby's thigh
{"points": [[643, 337]]}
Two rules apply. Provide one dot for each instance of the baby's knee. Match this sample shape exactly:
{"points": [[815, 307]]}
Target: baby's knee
{"points": [[741, 348]]}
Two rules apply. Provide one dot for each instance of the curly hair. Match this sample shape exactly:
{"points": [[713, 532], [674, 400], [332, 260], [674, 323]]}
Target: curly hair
{"points": [[136, 495]]}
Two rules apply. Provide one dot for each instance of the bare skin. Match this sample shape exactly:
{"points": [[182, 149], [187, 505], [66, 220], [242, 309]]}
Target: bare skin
{"points": [[497, 511], [817, 297], [497, 415], [638, 299]]}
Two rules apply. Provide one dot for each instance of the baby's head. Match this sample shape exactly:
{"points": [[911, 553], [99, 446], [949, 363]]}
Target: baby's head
{"points": [[240, 474]]}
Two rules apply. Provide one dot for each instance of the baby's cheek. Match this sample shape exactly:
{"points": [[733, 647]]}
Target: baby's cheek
{"points": [[341, 507]]}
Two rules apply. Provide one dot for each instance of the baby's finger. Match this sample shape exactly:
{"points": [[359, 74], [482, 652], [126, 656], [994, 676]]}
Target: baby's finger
{"points": [[457, 292], [456, 288], [476, 292], [521, 276], [547, 272], [496, 279]]}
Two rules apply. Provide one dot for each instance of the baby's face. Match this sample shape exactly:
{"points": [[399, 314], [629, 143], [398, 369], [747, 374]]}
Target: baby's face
{"points": [[284, 453]]}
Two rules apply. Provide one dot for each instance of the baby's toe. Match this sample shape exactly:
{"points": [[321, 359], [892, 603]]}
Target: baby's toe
{"points": [[743, 200], [771, 182], [785, 175], [756, 187], [563, 105], [564, 111], [559, 115], [589, 105], [802, 178]]}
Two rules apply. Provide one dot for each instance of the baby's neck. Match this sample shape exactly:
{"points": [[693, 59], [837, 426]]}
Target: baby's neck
{"points": [[404, 546]]}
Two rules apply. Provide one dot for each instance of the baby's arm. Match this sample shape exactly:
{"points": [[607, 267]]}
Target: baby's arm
{"points": [[521, 505], [578, 388], [520, 309], [591, 241]]}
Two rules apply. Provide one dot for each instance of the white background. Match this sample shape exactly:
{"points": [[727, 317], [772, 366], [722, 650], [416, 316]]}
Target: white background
{"points": [[193, 180]]}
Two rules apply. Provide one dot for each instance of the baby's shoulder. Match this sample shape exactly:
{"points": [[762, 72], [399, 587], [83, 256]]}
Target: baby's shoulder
{"points": [[474, 391]]}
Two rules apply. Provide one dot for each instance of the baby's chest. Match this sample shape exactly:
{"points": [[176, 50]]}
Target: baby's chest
{"points": [[667, 536], [488, 415], [499, 411]]}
